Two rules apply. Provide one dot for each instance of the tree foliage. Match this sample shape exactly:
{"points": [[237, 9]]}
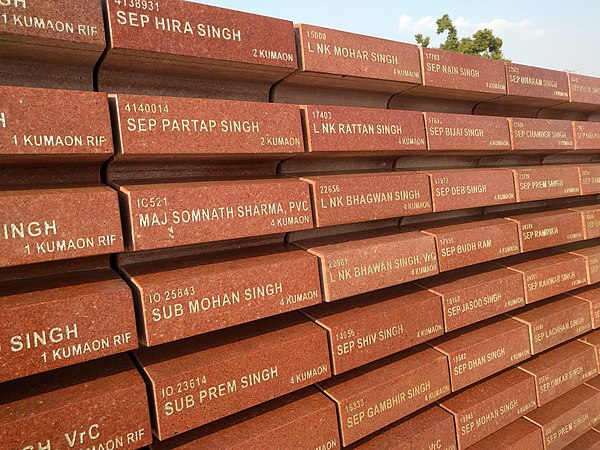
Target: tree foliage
{"points": [[482, 43]]}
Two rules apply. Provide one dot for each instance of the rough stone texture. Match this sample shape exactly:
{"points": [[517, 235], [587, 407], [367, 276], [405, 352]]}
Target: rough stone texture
{"points": [[377, 395], [180, 128], [547, 273], [230, 370], [356, 263], [548, 228], [86, 14], [49, 125], [194, 295], [476, 293], [543, 182], [593, 339], [591, 254], [591, 295], [537, 83], [584, 89], [589, 179], [463, 243], [458, 72], [587, 441], [541, 134], [361, 197], [490, 405], [587, 135], [371, 326], [591, 220], [431, 428], [470, 188], [231, 50], [561, 369], [461, 132], [102, 402], [302, 419], [52, 224], [481, 350], [568, 417], [363, 130], [594, 382], [172, 214], [343, 68], [57, 43], [338, 54], [555, 321], [63, 322], [518, 435]]}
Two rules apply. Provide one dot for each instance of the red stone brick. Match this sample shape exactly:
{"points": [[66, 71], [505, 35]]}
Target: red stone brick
{"points": [[176, 128], [363, 130], [86, 14], [594, 382], [591, 220], [568, 417], [589, 178], [555, 321], [306, 418], [481, 350], [50, 44], [476, 293], [587, 135], [102, 402], [361, 197], [194, 295], [538, 83], [461, 132], [218, 37], [584, 89], [541, 134], [338, 54], [543, 182], [547, 273], [593, 339], [172, 214], [591, 254], [470, 188], [518, 435], [49, 125], [587, 441], [371, 326], [54, 224], [455, 71], [548, 228], [490, 405], [561, 369], [591, 295], [63, 322], [202, 379], [463, 243], [377, 395], [360, 262], [431, 428]]}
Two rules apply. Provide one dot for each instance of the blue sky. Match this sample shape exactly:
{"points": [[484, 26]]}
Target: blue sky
{"points": [[555, 34]]}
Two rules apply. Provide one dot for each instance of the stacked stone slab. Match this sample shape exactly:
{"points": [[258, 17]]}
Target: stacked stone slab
{"points": [[223, 230]]}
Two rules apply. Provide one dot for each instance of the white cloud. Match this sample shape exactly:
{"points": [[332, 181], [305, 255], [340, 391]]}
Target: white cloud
{"points": [[427, 25], [461, 22], [526, 26], [424, 25]]}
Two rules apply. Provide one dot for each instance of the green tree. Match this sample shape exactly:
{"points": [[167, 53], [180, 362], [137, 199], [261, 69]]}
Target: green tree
{"points": [[422, 41], [482, 43], [451, 43]]}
